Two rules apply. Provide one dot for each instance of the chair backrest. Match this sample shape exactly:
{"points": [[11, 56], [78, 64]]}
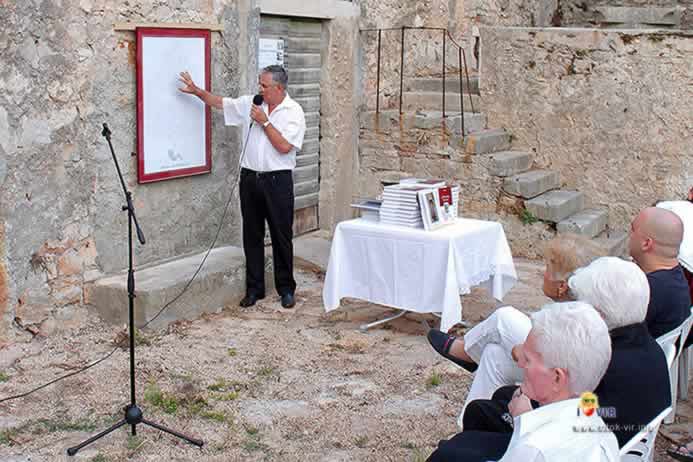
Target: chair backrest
{"points": [[641, 446], [670, 337]]}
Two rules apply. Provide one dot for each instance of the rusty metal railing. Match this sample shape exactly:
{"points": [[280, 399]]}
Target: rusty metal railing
{"points": [[462, 67]]}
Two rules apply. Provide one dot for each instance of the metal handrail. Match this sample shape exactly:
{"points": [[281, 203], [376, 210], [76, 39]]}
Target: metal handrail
{"points": [[462, 64]]}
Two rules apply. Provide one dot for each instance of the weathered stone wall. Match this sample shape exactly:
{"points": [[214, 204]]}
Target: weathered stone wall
{"points": [[611, 111], [339, 100], [66, 71], [579, 13]]}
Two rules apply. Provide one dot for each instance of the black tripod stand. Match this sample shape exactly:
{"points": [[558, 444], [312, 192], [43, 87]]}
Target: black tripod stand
{"points": [[133, 414]]}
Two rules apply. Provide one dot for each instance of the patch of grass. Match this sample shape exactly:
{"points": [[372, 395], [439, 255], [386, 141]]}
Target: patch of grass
{"points": [[7, 436], [265, 371], [419, 455], [167, 403], [134, 442], [252, 430], [4, 377], [217, 416], [66, 425], [141, 339], [99, 458], [433, 380], [196, 405], [232, 352], [527, 217], [229, 396], [361, 441]]}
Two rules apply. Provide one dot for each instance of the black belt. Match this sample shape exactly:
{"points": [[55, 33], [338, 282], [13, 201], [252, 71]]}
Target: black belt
{"points": [[247, 171]]}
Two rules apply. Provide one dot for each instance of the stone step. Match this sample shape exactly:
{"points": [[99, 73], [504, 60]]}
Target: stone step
{"points": [[531, 184], [452, 84], [555, 206], [473, 122], [637, 17], [487, 141], [585, 223], [391, 119], [509, 163], [432, 100], [614, 243], [220, 282]]}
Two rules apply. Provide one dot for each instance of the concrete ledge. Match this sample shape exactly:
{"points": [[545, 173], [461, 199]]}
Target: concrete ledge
{"points": [[555, 206], [221, 282], [323, 9]]}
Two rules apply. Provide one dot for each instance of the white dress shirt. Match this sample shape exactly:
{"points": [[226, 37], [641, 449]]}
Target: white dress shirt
{"points": [[555, 433], [260, 155]]}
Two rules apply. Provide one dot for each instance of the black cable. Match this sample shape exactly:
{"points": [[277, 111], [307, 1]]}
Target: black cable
{"points": [[187, 285]]}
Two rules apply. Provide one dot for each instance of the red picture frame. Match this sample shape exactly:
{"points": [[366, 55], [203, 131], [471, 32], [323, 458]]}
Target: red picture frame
{"points": [[144, 176]]}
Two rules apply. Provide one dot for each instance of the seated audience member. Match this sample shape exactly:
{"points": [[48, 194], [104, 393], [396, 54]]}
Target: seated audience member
{"points": [[655, 238], [565, 354], [636, 383], [684, 210], [489, 344], [683, 453]]}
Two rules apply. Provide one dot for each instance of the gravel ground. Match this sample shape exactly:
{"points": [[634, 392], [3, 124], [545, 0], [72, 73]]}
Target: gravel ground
{"points": [[255, 384]]}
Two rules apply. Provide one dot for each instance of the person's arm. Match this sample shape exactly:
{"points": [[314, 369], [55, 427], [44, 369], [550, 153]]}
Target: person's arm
{"points": [[192, 89], [276, 138]]}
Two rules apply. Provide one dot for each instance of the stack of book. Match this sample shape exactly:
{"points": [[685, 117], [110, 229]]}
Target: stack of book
{"points": [[401, 205]]}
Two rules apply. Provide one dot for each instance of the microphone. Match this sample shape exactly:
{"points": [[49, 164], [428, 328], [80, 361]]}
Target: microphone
{"points": [[257, 101]]}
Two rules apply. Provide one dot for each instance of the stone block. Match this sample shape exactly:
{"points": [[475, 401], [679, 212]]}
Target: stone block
{"points": [[585, 223], [452, 84], [428, 100], [619, 16], [508, 163], [220, 282], [427, 120], [613, 243], [473, 122], [555, 206], [531, 184], [487, 141]]}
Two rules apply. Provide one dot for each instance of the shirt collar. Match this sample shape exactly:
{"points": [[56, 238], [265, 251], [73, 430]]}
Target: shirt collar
{"points": [[532, 420], [286, 102]]}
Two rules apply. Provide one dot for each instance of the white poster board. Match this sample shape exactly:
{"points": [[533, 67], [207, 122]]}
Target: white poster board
{"points": [[173, 128], [270, 52]]}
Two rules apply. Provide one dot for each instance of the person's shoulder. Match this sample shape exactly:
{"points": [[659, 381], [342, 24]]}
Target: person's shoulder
{"points": [[293, 104]]}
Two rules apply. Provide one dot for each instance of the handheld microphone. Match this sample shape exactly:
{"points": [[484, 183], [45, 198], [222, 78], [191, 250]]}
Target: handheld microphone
{"points": [[258, 100]]}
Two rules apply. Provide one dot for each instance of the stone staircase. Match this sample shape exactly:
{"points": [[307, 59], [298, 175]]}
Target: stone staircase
{"points": [[539, 190]]}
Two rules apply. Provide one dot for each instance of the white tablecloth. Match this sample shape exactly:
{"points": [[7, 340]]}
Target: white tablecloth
{"points": [[417, 270]]}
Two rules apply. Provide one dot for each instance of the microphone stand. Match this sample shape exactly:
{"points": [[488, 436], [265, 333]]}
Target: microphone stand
{"points": [[133, 414]]}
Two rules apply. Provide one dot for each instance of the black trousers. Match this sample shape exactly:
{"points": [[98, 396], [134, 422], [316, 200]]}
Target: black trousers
{"points": [[268, 196]]}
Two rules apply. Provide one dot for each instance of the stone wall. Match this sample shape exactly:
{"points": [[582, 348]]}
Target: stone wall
{"points": [[65, 72], [579, 13], [609, 110]]}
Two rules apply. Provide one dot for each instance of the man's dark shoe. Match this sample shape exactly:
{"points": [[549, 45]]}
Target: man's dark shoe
{"points": [[441, 342], [288, 301], [249, 300]]}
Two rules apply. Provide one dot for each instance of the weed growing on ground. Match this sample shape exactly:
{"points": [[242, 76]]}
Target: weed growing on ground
{"points": [[4, 377], [361, 441], [99, 458], [433, 380], [232, 352], [154, 396], [527, 217], [419, 455]]}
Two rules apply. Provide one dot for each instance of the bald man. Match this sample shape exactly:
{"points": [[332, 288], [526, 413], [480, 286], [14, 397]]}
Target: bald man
{"points": [[655, 238]]}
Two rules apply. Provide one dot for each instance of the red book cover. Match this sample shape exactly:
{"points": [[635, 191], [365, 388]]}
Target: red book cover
{"points": [[445, 195]]}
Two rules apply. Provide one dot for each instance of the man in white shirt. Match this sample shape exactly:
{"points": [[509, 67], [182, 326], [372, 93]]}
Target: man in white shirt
{"points": [[565, 354], [272, 132]]}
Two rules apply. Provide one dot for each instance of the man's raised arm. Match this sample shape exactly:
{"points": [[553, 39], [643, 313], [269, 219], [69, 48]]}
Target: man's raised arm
{"points": [[190, 87]]}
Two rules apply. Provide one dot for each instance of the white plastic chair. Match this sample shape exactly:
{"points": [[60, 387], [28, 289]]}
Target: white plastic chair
{"points": [[685, 361], [642, 446], [670, 338]]}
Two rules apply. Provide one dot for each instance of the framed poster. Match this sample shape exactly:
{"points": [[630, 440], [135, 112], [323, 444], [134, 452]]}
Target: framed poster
{"points": [[270, 51], [173, 128]]}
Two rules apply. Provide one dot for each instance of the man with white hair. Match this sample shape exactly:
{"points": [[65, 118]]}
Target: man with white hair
{"points": [[620, 293], [565, 355]]}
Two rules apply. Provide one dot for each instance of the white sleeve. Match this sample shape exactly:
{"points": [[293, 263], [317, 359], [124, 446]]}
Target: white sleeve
{"points": [[523, 453], [237, 110], [295, 129]]}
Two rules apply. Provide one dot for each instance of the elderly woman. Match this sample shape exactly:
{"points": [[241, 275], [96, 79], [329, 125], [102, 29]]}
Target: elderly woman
{"points": [[619, 291], [565, 355], [490, 343]]}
